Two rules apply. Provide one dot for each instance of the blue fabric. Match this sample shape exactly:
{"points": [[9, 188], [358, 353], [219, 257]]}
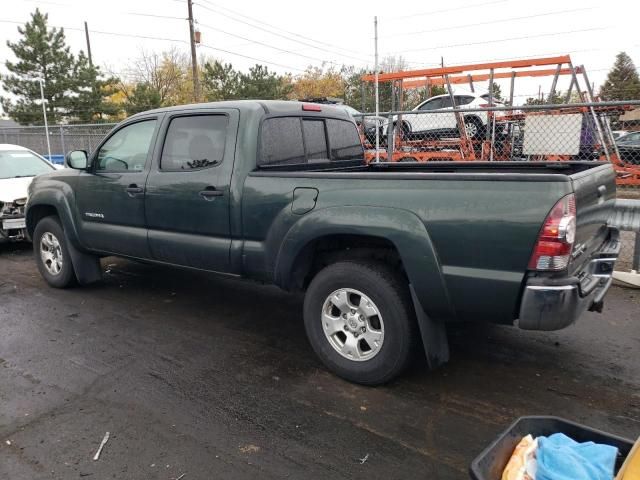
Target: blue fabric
{"points": [[561, 458]]}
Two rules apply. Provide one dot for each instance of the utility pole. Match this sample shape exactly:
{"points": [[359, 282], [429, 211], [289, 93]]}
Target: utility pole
{"points": [[194, 56], [86, 34], [44, 114], [375, 30]]}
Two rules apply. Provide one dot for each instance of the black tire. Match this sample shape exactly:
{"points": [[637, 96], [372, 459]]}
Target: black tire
{"points": [[479, 127], [66, 276], [389, 292]]}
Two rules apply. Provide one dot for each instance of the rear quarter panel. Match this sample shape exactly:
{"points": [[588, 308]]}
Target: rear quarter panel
{"points": [[481, 232]]}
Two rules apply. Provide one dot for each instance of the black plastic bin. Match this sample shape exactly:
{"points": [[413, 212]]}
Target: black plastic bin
{"points": [[491, 462]]}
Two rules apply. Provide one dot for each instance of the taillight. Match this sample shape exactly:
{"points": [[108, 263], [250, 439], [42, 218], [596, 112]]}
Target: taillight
{"points": [[555, 241]]}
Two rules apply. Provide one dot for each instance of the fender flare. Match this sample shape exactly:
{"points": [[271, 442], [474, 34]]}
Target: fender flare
{"points": [[59, 196], [401, 227]]}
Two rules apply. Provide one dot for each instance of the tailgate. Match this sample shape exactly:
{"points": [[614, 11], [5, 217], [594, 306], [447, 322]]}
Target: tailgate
{"points": [[595, 192]]}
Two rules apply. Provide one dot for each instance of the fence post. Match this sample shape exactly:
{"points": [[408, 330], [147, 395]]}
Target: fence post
{"points": [[64, 150], [636, 253]]}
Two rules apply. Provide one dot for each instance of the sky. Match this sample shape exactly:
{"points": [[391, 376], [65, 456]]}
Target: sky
{"points": [[289, 36]]}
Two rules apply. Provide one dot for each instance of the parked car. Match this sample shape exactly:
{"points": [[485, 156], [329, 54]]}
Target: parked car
{"points": [[18, 166], [433, 121], [368, 124], [618, 133], [629, 148], [386, 253]]}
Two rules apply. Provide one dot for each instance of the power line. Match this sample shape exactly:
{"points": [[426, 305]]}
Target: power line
{"points": [[453, 9], [526, 37], [251, 58], [338, 47], [277, 34], [146, 37], [489, 22], [264, 44]]}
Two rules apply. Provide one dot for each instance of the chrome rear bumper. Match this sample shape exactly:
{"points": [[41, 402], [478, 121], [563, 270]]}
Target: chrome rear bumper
{"points": [[552, 304]]}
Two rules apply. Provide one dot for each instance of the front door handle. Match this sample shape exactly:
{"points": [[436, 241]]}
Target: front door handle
{"points": [[210, 193], [133, 189]]}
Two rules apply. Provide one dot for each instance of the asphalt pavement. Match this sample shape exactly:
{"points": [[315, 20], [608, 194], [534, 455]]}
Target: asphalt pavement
{"points": [[207, 377]]}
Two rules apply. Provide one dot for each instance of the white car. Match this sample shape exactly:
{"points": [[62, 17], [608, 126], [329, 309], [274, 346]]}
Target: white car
{"points": [[430, 123], [18, 166]]}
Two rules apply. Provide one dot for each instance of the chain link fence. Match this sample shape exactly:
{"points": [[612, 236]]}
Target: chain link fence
{"points": [[63, 138]]}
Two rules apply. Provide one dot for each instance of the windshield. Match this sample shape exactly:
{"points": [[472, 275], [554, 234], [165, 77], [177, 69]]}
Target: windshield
{"points": [[21, 163]]}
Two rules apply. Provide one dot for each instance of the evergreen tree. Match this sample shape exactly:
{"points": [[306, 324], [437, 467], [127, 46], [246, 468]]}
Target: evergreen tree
{"points": [[143, 97], [90, 103], [262, 84], [220, 81], [622, 81], [72, 89]]}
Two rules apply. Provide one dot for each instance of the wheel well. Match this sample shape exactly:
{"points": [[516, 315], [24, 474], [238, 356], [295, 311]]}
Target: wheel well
{"points": [[473, 118], [37, 213], [326, 250]]}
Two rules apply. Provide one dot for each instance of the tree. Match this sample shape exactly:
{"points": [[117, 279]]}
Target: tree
{"points": [[93, 101], [220, 81], [143, 97], [316, 82], [166, 73], [622, 82], [42, 54], [260, 83]]}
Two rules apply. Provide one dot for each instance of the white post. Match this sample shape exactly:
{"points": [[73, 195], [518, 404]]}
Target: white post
{"points": [[375, 30], [44, 114]]}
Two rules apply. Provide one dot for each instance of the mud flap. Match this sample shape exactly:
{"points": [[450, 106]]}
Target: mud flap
{"points": [[86, 267], [434, 335]]}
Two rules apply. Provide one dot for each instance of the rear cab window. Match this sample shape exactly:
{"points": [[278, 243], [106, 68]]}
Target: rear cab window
{"points": [[299, 140]]}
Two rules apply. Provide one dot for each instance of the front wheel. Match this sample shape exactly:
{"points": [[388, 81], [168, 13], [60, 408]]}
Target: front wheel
{"points": [[51, 253], [360, 321]]}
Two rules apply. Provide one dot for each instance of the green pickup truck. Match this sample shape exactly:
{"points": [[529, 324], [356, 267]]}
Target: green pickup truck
{"points": [[386, 254]]}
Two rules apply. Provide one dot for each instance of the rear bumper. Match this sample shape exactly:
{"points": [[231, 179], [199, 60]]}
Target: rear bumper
{"points": [[553, 304]]}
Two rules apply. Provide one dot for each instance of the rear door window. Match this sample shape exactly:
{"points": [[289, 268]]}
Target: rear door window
{"points": [[463, 99], [433, 104], [194, 142]]}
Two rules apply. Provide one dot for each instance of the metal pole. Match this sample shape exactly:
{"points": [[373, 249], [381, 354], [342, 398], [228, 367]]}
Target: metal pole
{"points": [[44, 114], [375, 31], [194, 57], [489, 114], [470, 77], [362, 103], [64, 149], [513, 84], [86, 34], [554, 83], [390, 129], [595, 116], [636, 253]]}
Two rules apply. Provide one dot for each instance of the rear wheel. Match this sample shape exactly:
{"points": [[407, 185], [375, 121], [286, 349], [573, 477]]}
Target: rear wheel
{"points": [[360, 321], [474, 128], [51, 253]]}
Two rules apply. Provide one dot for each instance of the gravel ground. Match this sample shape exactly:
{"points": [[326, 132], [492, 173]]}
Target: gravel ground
{"points": [[213, 378]]}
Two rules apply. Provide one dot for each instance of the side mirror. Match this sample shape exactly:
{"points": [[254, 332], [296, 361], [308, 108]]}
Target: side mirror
{"points": [[76, 159]]}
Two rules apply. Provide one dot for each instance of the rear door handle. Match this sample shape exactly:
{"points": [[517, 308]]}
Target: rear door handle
{"points": [[210, 193], [133, 189]]}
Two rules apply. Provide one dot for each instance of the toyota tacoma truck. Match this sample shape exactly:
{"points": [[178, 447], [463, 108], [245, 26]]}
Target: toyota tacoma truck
{"points": [[386, 254]]}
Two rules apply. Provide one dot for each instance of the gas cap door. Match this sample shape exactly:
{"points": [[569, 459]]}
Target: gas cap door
{"points": [[304, 200]]}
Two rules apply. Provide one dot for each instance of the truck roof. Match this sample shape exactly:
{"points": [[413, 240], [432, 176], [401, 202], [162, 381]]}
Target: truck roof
{"points": [[278, 107]]}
